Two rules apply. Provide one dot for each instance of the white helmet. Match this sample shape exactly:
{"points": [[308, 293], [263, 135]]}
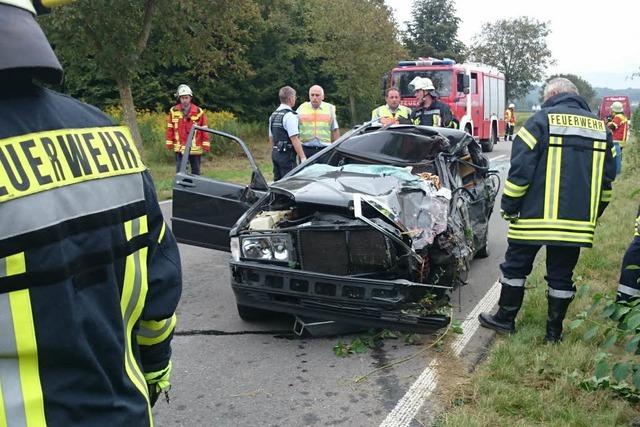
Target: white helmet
{"points": [[423, 83], [512, 105], [183, 90], [617, 107]]}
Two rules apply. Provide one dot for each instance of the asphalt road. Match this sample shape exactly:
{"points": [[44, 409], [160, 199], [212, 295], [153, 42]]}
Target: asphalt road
{"points": [[228, 372]]}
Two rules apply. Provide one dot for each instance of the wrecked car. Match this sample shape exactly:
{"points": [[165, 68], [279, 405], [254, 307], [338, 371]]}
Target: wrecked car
{"points": [[370, 231]]}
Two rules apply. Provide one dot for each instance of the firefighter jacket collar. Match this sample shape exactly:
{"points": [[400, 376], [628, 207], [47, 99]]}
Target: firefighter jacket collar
{"points": [[567, 99]]}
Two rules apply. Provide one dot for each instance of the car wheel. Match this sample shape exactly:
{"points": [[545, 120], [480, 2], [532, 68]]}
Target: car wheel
{"points": [[251, 314], [483, 252]]}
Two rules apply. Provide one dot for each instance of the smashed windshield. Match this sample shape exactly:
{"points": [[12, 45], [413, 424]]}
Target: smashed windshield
{"points": [[441, 80], [402, 146]]}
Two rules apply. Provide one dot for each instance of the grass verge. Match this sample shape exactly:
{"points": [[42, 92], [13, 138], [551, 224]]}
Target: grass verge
{"points": [[524, 382]]}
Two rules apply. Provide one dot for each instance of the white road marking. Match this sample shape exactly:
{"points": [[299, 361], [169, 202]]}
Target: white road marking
{"points": [[497, 157], [407, 407]]}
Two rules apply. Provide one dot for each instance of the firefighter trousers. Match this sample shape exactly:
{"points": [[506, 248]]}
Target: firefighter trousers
{"points": [[561, 260], [194, 162], [628, 285]]}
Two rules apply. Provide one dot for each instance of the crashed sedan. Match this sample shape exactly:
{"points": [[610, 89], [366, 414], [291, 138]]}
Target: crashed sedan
{"points": [[372, 231]]}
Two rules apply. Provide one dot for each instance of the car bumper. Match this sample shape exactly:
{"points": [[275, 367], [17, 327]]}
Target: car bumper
{"points": [[366, 302]]}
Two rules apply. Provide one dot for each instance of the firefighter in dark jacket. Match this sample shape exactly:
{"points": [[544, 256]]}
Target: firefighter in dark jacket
{"points": [[628, 286], [430, 111], [559, 183], [89, 273]]}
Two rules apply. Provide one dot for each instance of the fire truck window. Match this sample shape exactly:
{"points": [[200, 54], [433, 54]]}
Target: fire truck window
{"points": [[474, 83], [442, 80], [460, 82]]}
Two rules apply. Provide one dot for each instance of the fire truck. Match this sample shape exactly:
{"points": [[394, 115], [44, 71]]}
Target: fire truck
{"points": [[474, 92]]}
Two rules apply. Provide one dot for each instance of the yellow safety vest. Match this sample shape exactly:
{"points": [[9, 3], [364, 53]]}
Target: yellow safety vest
{"points": [[385, 111], [315, 123]]}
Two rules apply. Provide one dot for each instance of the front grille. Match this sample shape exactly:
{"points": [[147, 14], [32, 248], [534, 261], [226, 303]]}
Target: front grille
{"points": [[345, 252]]}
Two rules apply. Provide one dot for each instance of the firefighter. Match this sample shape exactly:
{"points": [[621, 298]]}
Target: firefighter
{"points": [[509, 121], [430, 111], [619, 125], [628, 287], [284, 134], [180, 119], [318, 122], [392, 111], [89, 273], [559, 183]]}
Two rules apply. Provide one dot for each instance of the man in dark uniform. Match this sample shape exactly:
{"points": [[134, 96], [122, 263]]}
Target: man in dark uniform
{"points": [[559, 183], [284, 134], [628, 286], [89, 273], [430, 111]]}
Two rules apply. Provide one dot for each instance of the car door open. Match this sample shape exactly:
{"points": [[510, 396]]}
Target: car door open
{"points": [[205, 210]]}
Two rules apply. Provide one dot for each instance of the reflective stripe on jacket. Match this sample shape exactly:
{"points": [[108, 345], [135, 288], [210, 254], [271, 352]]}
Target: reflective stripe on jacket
{"points": [[89, 274], [619, 126], [315, 123], [437, 114], [562, 168], [178, 128]]}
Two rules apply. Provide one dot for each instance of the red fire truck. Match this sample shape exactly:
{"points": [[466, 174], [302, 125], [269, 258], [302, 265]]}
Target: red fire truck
{"points": [[473, 91]]}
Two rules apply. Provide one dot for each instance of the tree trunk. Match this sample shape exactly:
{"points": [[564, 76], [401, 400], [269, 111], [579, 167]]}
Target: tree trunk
{"points": [[129, 110], [352, 108]]}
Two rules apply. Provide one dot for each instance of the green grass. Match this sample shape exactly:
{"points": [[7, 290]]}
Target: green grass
{"points": [[524, 382]]}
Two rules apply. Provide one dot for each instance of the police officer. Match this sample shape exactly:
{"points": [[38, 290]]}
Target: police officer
{"points": [[89, 273], [430, 111], [628, 287], [559, 183], [284, 134]]}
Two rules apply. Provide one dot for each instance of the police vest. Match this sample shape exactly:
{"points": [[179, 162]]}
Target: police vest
{"points": [[315, 123], [385, 111], [278, 132], [562, 167], [89, 275]]}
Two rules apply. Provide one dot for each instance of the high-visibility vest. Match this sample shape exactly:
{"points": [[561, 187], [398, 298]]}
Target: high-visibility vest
{"points": [[384, 111], [315, 123]]}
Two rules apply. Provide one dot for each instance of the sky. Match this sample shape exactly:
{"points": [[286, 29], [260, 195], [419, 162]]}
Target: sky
{"points": [[599, 41]]}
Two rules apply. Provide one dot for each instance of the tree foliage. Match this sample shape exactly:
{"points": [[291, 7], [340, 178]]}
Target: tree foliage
{"points": [[518, 47], [433, 30], [584, 87], [355, 42]]}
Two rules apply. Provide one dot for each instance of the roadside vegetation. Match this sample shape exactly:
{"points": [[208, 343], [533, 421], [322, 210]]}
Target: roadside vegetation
{"points": [[589, 379]]}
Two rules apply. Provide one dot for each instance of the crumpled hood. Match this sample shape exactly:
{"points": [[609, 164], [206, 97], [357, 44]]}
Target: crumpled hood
{"points": [[335, 186]]}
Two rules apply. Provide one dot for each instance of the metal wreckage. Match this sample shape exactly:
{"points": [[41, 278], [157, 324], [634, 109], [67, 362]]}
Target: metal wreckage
{"points": [[372, 231]]}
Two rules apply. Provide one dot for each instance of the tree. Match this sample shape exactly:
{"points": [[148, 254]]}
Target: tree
{"points": [[355, 42], [433, 30], [584, 87], [120, 40], [518, 47]]}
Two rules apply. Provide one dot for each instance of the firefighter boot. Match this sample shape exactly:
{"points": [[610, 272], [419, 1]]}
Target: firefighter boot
{"points": [[557, 309], [508, 306]]}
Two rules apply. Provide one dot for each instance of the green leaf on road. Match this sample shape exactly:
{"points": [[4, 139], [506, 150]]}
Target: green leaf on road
{"points": [[632, 345], [610, 341], [620, 371], [590, 333], [602, 369], [576, 323], [633, 322]]}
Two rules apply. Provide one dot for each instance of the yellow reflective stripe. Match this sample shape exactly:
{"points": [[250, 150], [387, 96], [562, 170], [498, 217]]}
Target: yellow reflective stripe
{"points": [[550, 236], [45, 160], [553, 223], [134, 291], [153, 332], [552, 182], [614, 153], [527, 137], [27, 348], [514, 190], [162, 231], [3, 415], [606, 195], [596, 177], [12, 265]]}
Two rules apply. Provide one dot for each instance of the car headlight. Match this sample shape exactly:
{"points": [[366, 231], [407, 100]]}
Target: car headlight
{"points": [[267, 247], [257, 248]]}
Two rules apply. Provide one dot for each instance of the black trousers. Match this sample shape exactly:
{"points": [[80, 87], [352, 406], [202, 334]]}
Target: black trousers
{"points": [[561, 260], [629, 286], [508, 130], [283, 162], [194, 161]]}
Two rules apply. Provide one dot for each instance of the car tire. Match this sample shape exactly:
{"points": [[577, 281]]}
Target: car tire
{"points": [[483, 252], [252, 314]]}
